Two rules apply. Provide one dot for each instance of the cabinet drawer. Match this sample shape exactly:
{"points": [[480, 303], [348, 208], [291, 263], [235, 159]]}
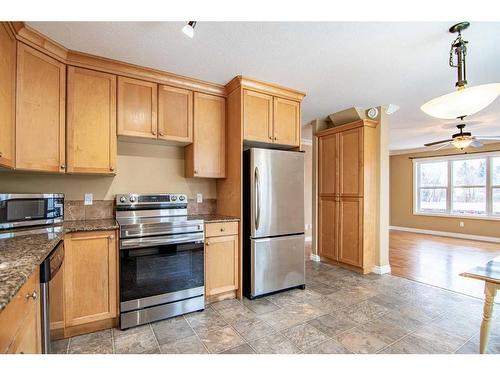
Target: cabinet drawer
{"points": [[225, 228], [14, 315]]}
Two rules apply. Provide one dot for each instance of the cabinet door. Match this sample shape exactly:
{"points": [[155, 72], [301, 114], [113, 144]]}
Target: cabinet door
{"points": [[175, 114], [327, 164], [7, 96], [20, 325], [257, 116], [206, 157], [90, 277], [137, 108], [221, 264], [350, 231], [91, 132], [328, 212], [286, 122], [40, 111], [351, 162]]}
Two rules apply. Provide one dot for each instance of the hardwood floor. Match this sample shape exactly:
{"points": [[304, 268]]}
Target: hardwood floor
{"points": [[439, 261]]}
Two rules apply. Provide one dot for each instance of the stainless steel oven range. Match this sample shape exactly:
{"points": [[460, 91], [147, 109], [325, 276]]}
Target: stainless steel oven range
{"points": [[161, 258]]}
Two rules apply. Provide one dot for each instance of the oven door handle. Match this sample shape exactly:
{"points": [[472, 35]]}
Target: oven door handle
{"points": [[156, 241]]}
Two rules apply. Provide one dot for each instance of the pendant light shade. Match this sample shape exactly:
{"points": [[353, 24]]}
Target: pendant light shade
{"points": [[463, 102]]}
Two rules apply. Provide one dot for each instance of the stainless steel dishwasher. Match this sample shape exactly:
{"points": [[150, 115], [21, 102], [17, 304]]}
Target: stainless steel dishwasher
{"points": [[48, 270]]}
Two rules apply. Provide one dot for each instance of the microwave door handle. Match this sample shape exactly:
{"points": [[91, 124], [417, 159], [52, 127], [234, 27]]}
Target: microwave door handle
{"points": [[257, 198]]}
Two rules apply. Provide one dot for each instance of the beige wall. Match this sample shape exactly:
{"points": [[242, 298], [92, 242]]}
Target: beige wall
{"points": [[144, 167], [401, 193], [308, 190]]}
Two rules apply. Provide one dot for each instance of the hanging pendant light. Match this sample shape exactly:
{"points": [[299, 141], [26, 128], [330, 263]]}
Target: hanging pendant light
{"points": [[465, 101]]}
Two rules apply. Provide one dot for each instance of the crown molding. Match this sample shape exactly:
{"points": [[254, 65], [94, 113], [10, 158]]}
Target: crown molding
{"points": [[42, 43], [273, 89]]}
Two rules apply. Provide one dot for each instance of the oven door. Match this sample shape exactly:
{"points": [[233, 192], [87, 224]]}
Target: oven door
{"points": [[160, 272]]}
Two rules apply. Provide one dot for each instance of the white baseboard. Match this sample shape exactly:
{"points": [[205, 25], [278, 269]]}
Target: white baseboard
{"points": [[380, 270], [314, 257], [308, 239], [448, 234]]}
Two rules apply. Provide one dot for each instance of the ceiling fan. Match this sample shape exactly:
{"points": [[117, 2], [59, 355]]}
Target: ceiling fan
{"points": [[462, 140]]}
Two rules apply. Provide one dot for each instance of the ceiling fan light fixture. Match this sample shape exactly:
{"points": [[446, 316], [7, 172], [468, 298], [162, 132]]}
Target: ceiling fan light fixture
{"points": [[189, 29], [462, 143], [462, 102]]}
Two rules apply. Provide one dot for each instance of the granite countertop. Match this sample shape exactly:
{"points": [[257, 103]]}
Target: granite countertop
{"points": [[20, 255], [213, 218]]}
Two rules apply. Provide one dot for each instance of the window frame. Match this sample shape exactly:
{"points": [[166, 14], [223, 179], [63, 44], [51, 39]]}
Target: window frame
{"points": [[489, 186]]}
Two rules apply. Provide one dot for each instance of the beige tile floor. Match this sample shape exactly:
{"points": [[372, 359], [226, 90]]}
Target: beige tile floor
{"points": [[339, 312]]}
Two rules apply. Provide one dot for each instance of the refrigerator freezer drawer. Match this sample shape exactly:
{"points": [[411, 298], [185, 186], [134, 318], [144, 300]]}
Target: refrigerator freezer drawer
{"points": [[277, 263]]}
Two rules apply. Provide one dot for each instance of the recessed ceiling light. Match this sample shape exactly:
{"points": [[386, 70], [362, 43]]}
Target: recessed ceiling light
{"points": [[189, 29]]}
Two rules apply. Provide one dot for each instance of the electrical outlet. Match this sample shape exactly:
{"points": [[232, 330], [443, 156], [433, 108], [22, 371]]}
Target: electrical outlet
{"points": [[88, 199], [199, 198], [462, 224]]}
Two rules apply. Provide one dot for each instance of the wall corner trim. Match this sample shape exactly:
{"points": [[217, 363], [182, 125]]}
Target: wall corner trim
{"points": [[447, 234], [315, 258], [380, 270]]}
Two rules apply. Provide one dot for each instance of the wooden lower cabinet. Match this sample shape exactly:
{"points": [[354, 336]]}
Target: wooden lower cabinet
{"points": [[90, 281], [221, 261], [341, 231], [20, 326]]}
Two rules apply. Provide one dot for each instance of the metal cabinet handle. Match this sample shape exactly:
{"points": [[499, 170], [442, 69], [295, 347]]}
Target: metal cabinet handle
{"points": [[275, 138], [270, 137], [153, 131], [33, 295], [195, 171], [222, 229], [63, 166], [0, 154], [111, 169], [161, 134], [257, 198], [208, 243], [111, 237]]}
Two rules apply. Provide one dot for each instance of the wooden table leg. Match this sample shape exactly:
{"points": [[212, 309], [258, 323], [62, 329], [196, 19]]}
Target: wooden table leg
{"points": [[490, 290]]}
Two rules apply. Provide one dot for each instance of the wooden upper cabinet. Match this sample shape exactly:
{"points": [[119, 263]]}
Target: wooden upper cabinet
{"points": [[328, 178], [175, 114], [40, 111], [137, 108], [351, 162], [7, 96], [90, 277], [286, 122], [206, 157], [91, 124], [257, 116]]}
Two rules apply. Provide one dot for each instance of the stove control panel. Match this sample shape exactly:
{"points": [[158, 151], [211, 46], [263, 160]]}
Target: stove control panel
{"points": [[132, 199]]}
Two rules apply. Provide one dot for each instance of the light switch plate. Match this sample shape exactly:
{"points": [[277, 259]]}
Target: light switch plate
{"points": [[199, 198], [89, 197]]}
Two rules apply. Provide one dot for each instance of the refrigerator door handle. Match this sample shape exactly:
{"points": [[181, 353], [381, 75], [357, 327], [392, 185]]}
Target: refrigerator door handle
{"points": [[257, 198]]}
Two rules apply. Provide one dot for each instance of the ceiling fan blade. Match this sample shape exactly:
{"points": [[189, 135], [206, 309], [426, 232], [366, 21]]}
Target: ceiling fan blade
{"points": [[439, 147], [476, 143], [438, 142], [488, 137]]}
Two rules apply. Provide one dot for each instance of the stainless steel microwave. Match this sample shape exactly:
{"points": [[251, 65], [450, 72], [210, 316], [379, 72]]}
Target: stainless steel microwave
{"points": [[23, 210]]}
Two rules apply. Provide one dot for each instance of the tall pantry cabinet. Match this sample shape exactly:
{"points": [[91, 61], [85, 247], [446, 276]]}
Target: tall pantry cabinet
{"points": [[348, 181]]}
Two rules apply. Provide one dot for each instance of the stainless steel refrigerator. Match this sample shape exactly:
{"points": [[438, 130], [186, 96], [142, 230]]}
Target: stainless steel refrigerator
{"points": [[273, 211]]}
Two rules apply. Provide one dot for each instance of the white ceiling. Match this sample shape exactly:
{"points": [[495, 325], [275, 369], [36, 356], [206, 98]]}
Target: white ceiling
{"points": [[338, 64]]}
